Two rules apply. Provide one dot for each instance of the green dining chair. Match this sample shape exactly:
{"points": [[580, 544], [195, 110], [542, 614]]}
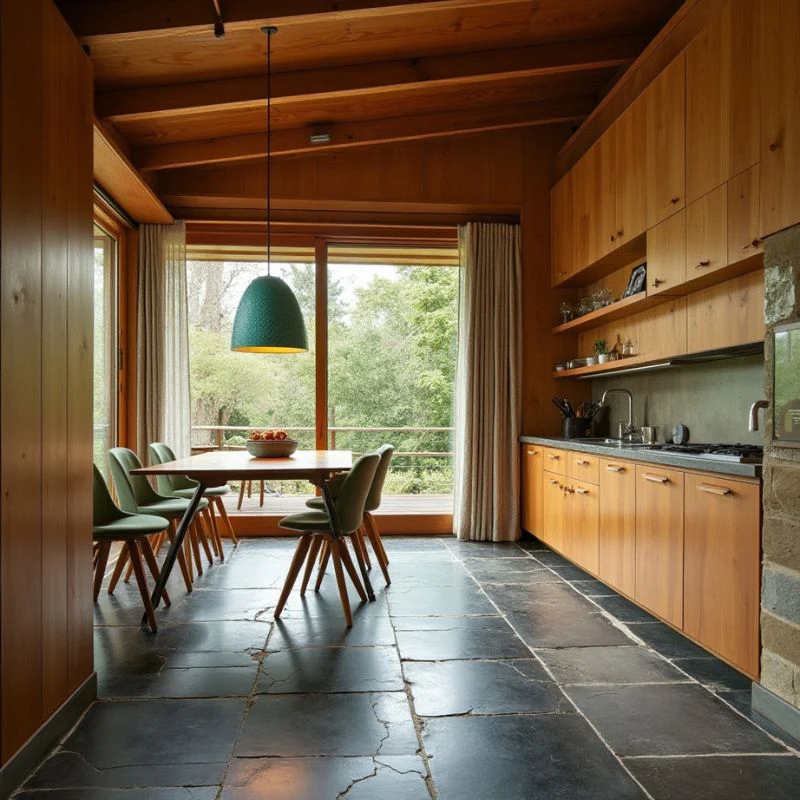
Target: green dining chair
{"points": [[314, 527], [181, 486], [369, 525], [137, 496], [112, 524]]}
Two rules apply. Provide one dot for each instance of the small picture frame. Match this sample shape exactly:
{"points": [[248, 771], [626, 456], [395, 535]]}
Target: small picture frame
{"points": [[637, 281]]}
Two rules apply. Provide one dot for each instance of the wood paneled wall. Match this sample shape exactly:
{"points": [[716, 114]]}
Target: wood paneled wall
{"points": [[46, 307], [504, 173]]}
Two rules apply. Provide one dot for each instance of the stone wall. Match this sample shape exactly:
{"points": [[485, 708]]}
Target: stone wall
{"points": [[780, 591]]}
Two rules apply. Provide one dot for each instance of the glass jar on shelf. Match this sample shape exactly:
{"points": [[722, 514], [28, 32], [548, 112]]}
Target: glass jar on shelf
{"points": [[566, 312], [584, 306]]}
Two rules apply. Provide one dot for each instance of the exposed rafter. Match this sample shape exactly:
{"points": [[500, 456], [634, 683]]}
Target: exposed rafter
{"points": [[395, 129], [106, 19], [462, 68]]}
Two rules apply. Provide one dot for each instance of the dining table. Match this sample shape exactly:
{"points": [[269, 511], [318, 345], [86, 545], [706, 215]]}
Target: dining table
{"points": [[218, 467]]}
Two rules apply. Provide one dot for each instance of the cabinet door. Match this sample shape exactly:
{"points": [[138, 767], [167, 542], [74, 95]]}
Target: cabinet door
{"points": [[666, 255], [605, 199], [583, 467], [629, 173], [562, 243], [617, 525], [659, 542], [722, 568], [743, 205], [555, 460], [707, 234], [532, 478], [780, 115], [727, 314], [554, 504], [581, 543], [586, 217], [665, 111], [708, 107]]}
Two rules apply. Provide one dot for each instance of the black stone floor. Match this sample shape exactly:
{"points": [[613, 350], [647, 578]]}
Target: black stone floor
{"points": [[485, 671]]}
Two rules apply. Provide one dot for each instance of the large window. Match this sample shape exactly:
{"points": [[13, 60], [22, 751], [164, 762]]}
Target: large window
{"points": [[391, 330], [106, 269]]}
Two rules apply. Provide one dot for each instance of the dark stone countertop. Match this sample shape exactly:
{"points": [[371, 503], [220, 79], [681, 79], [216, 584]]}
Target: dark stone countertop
{"points": [[645, 456]]}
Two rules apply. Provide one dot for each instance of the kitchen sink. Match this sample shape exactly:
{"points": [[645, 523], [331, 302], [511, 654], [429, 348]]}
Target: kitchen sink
{"points": [[614, 443]]}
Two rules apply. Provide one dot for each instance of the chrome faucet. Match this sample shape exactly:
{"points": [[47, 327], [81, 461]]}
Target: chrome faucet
{"points": [[754, 413], [624, 430]]}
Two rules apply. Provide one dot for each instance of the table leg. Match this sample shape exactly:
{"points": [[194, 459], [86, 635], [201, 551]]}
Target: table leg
{"points": [[175, 545], [331, 509]]}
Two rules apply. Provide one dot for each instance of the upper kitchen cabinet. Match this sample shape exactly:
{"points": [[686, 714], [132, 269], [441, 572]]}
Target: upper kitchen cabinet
{"points": [[780, 115], [562, 240], [629, 136], [586, 211], [722, 104], [665, 146]]}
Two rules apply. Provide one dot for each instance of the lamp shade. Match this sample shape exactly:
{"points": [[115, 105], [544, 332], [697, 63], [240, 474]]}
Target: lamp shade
{"points": [[268, 319]]}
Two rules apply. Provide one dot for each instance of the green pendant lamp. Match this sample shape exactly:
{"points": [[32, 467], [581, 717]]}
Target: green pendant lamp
{"points": [[268, 319]]}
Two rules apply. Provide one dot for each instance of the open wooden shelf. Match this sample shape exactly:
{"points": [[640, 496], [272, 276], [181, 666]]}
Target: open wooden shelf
{"points": [[610, 366], [629, 254], [622, 308]]}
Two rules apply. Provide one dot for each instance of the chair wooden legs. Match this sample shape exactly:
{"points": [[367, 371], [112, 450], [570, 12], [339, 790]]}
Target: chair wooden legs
{"points": [[226, 519], [136, 559], [307, 549], [204, 531], [312, 555], [122, 560], [103, 549], [241, 495], [377, 546], [261, 494], [150, 560], [325, 554], [294, 569], [337, 568], [344, 554], [187, 580], [216, 540]]}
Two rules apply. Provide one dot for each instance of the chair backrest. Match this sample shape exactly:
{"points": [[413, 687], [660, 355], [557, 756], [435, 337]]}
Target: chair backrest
{"points": [[104, 508], [353, 493], [385, 451], [161, 453], [132, 490]]}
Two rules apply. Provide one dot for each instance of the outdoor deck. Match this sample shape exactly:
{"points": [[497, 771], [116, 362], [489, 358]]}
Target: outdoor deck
{"points": [[391, 504]]}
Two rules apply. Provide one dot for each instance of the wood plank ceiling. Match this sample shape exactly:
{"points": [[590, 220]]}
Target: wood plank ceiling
{"points": [[362, 71]]}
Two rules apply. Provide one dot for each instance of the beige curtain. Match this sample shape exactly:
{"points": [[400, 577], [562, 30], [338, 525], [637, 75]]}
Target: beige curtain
{"points": [[162, 363], [488, 383]]}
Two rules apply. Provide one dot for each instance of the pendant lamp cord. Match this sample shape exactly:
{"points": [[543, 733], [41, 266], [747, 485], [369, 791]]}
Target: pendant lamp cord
{"points": [[269, 30]]}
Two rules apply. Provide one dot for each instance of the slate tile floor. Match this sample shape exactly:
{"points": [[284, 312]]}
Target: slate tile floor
{"points": [[485, 671]]}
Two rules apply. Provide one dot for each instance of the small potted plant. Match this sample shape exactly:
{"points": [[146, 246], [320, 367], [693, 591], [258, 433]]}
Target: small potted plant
{"points": [[601, 351]]}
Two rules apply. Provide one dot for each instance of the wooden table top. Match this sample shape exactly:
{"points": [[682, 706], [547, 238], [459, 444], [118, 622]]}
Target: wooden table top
{"points": [[223, 465]]}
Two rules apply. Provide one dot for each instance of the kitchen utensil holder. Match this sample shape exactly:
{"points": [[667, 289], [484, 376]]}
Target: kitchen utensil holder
{"points": [[575, 427]]}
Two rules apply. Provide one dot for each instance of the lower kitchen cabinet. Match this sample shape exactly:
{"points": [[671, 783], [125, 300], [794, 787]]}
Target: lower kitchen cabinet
{"points": [[617, 525], [581, 524], [722, 568], [532, 485], [659, 542], [554, 508]]}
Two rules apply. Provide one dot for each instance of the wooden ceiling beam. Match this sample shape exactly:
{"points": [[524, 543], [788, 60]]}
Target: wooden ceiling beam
{"points": [[371, 132], [122, 19], [361, 79]]}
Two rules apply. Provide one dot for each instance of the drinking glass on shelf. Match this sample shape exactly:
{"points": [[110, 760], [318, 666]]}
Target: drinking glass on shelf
{"points": [[608, 296], [597, 299], [585, 306], [566, 312]]}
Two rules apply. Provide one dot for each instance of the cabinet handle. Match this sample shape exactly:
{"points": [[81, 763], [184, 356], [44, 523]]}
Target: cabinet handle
{"points": [[582, 462], [552, 481], [620, 233], [553, 458], [773, 147], [612, 237], [657, 283], [672, 201], [709, 488], [755, 243], [704, 263], [655, 478], [582, 491], [615, 468], [533, 452]]}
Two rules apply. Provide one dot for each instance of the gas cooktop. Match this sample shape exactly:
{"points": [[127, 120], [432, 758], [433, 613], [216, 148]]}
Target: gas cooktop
{"points": [[741, 453]]}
